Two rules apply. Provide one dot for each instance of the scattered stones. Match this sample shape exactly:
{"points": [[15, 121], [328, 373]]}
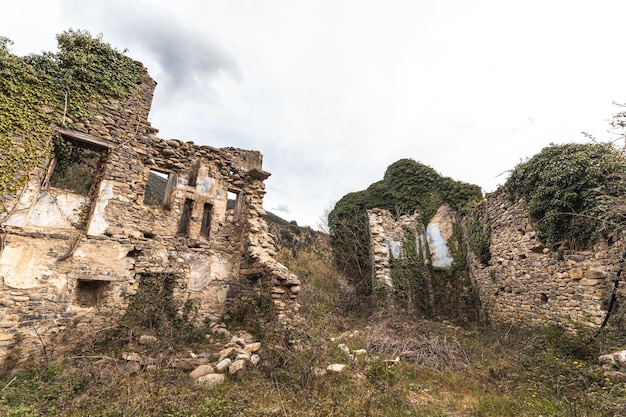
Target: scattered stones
{"points": [[146, 339], [252, 347], [223, 365], [188, 364], [202, 370], [211, 380], [615, 360], [233, 360], [237, 366], [336, 367]]}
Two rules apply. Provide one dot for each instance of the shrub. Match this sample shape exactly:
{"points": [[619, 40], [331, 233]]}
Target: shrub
{"points": [[570, 191]]}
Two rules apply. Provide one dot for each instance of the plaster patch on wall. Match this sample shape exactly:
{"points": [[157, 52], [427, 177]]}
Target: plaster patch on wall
{"points": [[59, 210], [98, 224], [101, 253], [20, 216], [439, 252], [220, 268], [420, 244], [199, 274], [21, 266], [204, 187]]}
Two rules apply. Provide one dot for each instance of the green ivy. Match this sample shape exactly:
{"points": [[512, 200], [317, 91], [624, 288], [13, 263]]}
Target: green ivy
{"points": [[38, 91], [479, 236], [406, 187], [434, 292], [570, 190], [411, 278]]}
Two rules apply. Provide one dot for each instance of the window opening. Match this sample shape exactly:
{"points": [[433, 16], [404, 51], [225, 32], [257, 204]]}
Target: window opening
{"points": [[193, 176], [231, 200], [158, 189], [91, 293], [183, 226], [75, 166], [234, 203], [207, 211]]}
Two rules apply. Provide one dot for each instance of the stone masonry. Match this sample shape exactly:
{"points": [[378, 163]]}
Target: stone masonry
{"points": [[526, 283], [154, 207]]}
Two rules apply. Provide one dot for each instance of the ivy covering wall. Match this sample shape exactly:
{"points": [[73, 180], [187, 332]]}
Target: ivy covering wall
{"points": [[406, 187], [39, 91], [572, 192]]}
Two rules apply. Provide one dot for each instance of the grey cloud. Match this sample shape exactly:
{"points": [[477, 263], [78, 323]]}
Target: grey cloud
{"points": [[189, 59], [282, 208]]}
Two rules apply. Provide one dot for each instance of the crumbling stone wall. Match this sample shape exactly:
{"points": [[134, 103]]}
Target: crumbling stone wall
{"points": [[525, 283], [156, 207], [387, 235]]}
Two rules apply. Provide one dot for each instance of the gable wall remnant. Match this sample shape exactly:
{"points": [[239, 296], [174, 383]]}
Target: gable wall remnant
{"points": [[156, 207]]}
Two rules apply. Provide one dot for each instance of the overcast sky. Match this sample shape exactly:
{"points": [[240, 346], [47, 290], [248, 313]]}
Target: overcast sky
{"points": [[334, 91]]}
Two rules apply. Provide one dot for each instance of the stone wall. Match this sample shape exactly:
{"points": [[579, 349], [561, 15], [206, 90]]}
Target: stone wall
{"points": [[154, 207], [526, 283]]}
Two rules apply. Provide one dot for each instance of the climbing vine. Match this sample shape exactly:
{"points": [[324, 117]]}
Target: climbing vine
{"points": [[411, 278], [406, 187], [430, 291], [38, 91], [479, 236]]}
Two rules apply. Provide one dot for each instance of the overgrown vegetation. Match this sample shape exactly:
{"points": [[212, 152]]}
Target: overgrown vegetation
{"points": [[571, 191], [421, 290], [440, 370], [413, 287], [406, 187], [38, 91], [479, 234]]}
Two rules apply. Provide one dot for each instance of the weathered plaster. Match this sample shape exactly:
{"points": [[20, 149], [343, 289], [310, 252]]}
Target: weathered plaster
{"points": [[98, 224], [440, 254], [22, 266]]}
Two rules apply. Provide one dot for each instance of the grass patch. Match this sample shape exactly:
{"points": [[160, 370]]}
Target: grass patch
{"points": [[444, 370]]}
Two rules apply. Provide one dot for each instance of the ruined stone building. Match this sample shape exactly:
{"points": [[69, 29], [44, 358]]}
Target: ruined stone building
{"points": [[523, 282], [81, 240]]}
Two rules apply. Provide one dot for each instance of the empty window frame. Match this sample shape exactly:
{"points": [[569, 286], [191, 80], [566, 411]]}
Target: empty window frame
{"points": [[205, 227], [75, 166], [159, 188], [233, 203], [185, 218]]}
